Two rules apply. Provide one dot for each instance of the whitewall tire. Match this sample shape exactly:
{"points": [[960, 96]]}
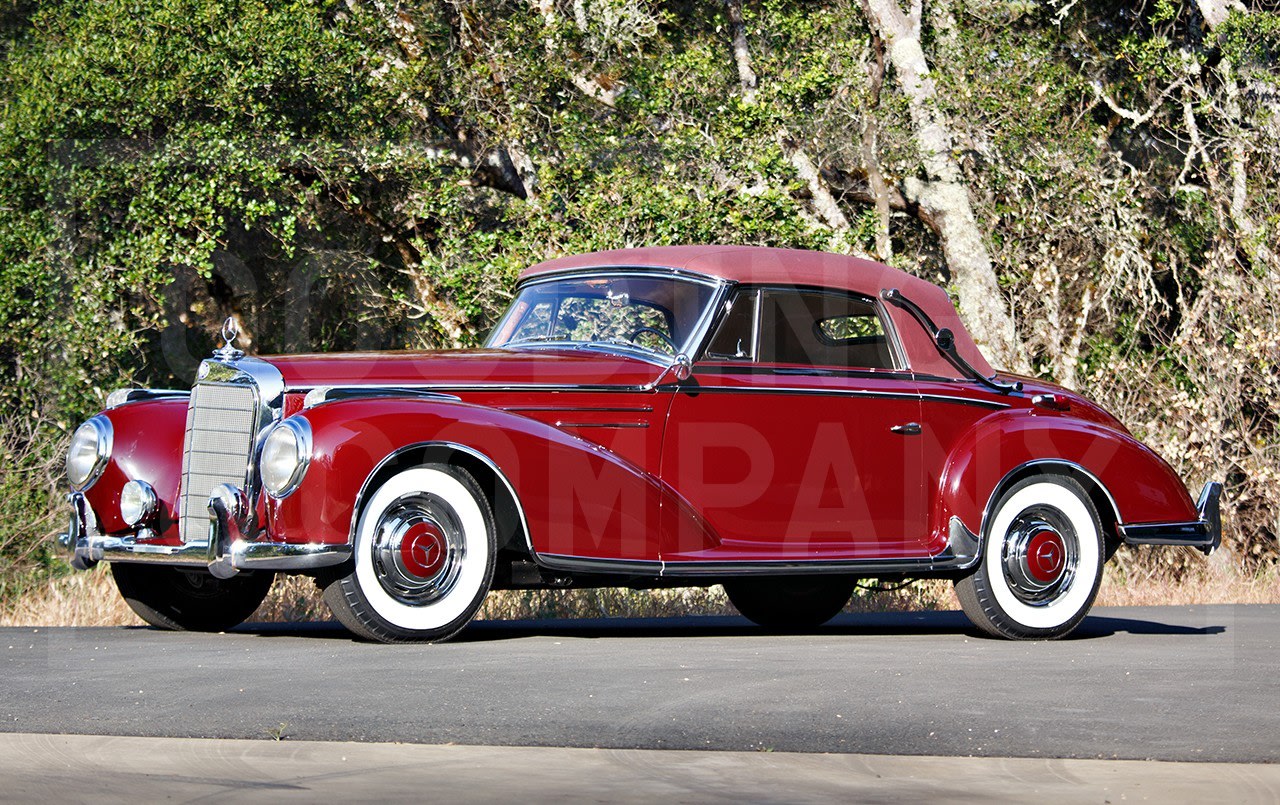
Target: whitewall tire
{"points": [[422, 560], [1041, 564]]}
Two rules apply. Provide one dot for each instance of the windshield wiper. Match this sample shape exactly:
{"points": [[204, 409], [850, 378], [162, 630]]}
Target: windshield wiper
{"points": [[536, 339], [622, 342]]}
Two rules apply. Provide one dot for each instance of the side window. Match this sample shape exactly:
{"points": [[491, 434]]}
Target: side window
{"points": [[735, 339], [815, 328]]}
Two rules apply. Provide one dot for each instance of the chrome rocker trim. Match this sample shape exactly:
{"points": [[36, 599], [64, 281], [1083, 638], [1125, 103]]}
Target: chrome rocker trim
{"points": [[87, 546], [1204, 534], [962, 553]]}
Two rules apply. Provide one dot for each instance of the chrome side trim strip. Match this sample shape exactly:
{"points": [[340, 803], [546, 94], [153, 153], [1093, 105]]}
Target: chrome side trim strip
{"points": [[853, 567], [588, 564], [121, 397], [324, 394], [962, 553], [839, 392], [943, 398], [602, 424], [514, 387], [571, 409], [445, 388]]}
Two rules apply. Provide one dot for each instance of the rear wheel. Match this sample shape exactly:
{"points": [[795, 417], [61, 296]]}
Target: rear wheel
{"points": [[790, 602], [423, 558], [1042, 563], [189, 600]]}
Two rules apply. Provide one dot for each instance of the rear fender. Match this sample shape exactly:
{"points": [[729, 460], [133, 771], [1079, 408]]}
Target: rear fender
{"points": [[1130, 483]]}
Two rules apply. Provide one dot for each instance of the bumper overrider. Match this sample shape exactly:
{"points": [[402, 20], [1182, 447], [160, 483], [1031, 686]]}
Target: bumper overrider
{"points": [[1204, 534], [224, 554]]}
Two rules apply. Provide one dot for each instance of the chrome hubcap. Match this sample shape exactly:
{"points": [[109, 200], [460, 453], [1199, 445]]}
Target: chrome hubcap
{"points": [[418, 549], [1040, 555]]}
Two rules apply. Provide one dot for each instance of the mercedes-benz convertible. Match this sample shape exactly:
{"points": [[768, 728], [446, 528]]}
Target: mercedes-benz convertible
{"points": [[783, 423]]}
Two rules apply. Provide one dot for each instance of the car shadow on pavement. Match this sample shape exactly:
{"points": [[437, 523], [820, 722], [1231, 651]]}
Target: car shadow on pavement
{"points": [[846, 625], [1102, 626]]}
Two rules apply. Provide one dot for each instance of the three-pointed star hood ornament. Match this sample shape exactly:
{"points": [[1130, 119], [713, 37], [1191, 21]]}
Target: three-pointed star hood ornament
{"points": [[230, 332]]}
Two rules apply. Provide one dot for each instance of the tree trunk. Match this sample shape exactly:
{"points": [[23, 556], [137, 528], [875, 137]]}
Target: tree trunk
{"points": [[871, 154], [824, 203], [942, 191], [587, 85], [1215, 12]]}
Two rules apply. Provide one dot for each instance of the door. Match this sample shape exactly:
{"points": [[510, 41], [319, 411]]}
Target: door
{"points": [[797, 436]]}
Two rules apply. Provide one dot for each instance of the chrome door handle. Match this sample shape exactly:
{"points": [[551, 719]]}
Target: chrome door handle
{"points": [[909, 429]]}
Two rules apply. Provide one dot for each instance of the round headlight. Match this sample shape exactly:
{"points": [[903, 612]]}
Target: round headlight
{"points": [[138, 502], [285, 455], [89, 451]]}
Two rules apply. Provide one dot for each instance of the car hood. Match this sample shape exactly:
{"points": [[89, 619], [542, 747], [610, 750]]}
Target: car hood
{"points": [[465, 368]]}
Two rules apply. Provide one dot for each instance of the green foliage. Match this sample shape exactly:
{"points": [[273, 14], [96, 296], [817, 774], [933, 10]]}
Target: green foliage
{"points": [[1250, 39]]}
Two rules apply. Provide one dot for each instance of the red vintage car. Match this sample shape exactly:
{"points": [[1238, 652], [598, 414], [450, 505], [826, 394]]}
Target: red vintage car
{"points": [[780, 422]]}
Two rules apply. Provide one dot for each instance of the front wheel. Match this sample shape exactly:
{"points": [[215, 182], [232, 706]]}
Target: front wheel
{"points": [[178, 599], [790, 602], [423, 558], [1042, 564]]}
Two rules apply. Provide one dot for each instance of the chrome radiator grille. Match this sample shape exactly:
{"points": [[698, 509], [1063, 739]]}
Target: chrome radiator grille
{"points": [[221, 424]]}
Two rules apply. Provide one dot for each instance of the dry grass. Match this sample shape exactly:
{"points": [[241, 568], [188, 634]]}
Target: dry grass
{"points": [[90, 599], [80, 599], [1217, 580]]}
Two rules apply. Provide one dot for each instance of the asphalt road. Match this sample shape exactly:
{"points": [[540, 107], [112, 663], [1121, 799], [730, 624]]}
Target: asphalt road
{"points": [[1198, 683]]}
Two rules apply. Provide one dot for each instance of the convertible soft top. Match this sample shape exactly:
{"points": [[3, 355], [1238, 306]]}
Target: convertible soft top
{"points": [[792, 267]]}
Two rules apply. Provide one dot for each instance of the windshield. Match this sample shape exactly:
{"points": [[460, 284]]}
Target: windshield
{"points": [[656, 314]]}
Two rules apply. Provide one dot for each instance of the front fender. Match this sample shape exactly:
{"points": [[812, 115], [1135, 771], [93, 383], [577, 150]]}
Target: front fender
{"points": [[1141, 486], [578, 498], [147, 446]]}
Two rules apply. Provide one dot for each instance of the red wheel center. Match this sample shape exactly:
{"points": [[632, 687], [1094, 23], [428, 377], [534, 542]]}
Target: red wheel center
{"points": [[1046, 556], [424, 550]]}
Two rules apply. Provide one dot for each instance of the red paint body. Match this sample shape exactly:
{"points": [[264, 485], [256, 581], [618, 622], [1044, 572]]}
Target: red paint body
{"points": [[148, 447], [611, 458]]}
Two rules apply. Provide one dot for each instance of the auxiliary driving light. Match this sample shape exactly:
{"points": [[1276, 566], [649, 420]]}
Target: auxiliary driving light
{"points": [[138, 502]]}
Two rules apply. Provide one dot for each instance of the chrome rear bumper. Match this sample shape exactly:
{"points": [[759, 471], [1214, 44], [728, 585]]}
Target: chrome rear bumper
{"points": [[1204, 534], [223, 555]]}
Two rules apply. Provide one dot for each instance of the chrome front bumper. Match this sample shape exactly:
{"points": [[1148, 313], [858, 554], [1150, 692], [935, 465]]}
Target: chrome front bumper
{"points": [[223, 554], [1204, 534]]}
